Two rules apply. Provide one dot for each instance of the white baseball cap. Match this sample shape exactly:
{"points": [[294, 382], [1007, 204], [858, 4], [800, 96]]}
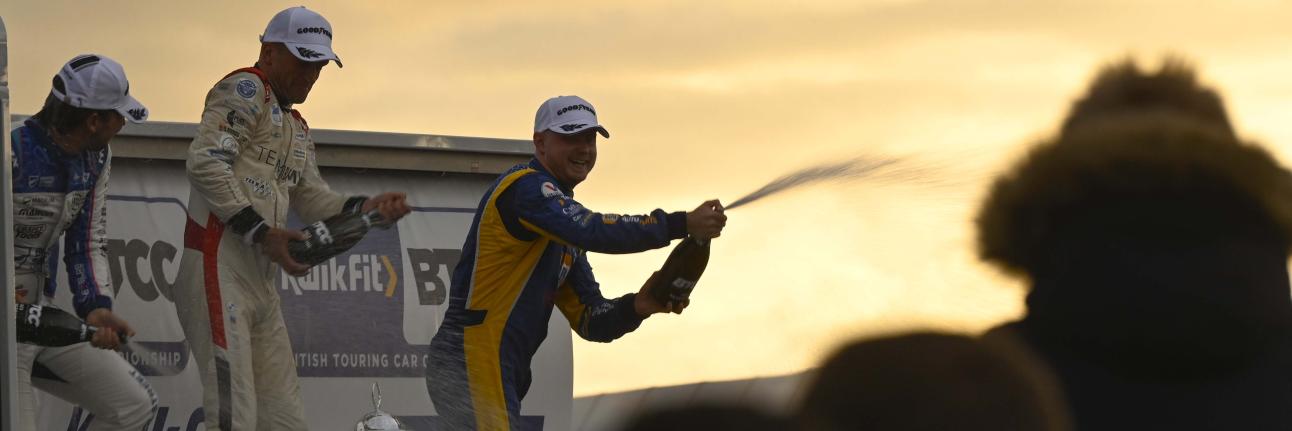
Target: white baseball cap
{"points": [[567, 115], [306, 33], [93, 81]]}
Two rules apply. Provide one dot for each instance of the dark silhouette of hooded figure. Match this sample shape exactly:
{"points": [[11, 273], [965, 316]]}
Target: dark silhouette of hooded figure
{"points": [[1156, 247]]}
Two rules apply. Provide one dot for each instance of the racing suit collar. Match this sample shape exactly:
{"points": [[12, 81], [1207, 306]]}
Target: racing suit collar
{"points": [[538, 166], [278, 99], [38, 130], [37, 127], [41, 134], [264, 79]]}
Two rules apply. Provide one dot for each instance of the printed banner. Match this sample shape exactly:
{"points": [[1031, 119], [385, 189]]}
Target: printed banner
{"points": [[365, 316]]}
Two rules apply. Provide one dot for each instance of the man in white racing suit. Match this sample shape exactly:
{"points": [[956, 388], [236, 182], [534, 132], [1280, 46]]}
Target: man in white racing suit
{"points": [[61, 163], [251, 161]]}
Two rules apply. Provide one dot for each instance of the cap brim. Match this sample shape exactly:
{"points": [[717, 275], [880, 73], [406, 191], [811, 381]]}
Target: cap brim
{"points": [[134, 111], [311, 53], [565, 129]]}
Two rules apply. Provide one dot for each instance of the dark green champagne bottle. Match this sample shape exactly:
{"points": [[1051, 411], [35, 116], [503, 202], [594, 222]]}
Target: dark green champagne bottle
{"points": [[51, 327], [328, 238], [681, 271]]}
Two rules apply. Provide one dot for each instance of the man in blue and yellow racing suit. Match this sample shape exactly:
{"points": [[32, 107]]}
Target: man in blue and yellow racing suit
{"points": [[527, 251]]}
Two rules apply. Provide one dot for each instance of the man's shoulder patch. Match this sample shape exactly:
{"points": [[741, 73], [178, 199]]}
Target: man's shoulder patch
{"points": [[550, 190], [246, 88]]}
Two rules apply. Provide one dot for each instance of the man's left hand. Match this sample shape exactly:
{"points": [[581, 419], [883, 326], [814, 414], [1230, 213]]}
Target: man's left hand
{"points": [[645, 304], [392, 206]]}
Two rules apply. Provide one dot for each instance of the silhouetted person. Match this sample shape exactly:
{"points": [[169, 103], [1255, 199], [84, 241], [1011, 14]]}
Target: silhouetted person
{"points": [[1155, 244], [708, 417], [931, 381]]}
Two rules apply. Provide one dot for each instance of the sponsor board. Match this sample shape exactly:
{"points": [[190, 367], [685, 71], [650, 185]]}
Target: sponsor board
{"points": [[345, 316], [168, 418], [362, 317]]}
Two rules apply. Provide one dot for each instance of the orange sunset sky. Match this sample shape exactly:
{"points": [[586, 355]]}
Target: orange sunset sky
{"points": [[711, 99]]}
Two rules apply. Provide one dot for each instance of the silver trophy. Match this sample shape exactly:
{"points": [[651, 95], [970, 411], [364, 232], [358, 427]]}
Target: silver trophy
{"points": [[379, 420]]}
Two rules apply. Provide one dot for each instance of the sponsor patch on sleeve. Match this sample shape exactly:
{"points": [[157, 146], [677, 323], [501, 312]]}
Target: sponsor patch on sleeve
{"points": [[234, 119], [258, 186], [276, 115], [221, 155], [28, 231], [228, 143], [246, 88], [572, 209], [550, 190]]}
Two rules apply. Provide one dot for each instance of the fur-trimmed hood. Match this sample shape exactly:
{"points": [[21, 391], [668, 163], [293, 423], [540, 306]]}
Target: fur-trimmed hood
{"points": [[1154, 240], [1147, 155]]}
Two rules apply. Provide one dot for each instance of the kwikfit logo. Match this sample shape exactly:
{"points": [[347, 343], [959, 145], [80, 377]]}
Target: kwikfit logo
{"points": [[373, 273]]}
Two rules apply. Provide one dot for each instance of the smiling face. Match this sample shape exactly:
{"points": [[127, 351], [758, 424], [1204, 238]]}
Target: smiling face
{"points": [[569, 158]]}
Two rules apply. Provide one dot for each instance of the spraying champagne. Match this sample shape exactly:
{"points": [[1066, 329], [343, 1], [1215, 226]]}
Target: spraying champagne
{"points": [[846, 170], [684, 266]]}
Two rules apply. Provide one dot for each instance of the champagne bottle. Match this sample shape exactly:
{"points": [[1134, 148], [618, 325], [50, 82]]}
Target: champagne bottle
{"points": [[681, 270], [51, 327], [328, 238]]}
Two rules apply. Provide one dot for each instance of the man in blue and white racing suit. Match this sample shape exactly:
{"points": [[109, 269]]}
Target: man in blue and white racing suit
{"points": [[60, 176]]}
